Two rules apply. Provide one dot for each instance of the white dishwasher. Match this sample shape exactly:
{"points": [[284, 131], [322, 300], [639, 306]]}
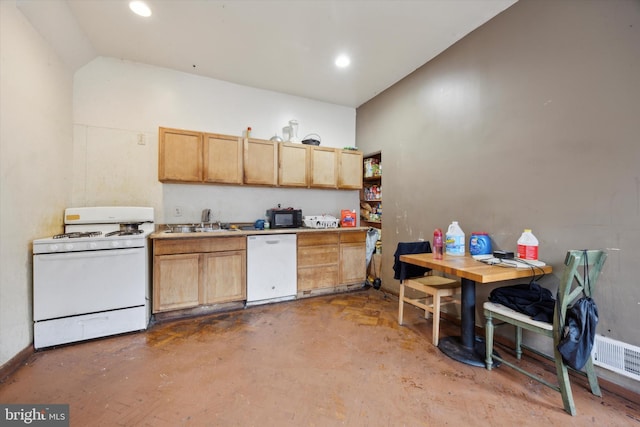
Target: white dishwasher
{"points": [[271, 268]]}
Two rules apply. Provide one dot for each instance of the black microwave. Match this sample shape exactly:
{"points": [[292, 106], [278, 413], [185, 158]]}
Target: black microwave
{"points": [[285, 218]]}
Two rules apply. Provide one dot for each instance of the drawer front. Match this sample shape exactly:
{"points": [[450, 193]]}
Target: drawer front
{"points": [[318, 238], [199, 245], [353, 237], [317, 255], [317, 277]]}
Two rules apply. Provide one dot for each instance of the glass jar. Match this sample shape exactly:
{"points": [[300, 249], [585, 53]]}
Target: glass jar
{"points": [[293, 126]]}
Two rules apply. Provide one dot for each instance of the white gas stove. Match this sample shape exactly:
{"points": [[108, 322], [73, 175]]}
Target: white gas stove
{"points": [[99, 228], [93, 280]]}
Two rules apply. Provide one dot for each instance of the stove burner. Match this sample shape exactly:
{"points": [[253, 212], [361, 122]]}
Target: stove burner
{"points": [[124, 233], [127, 229], [78, 234]]}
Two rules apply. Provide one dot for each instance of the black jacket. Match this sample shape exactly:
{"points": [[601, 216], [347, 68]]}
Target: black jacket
{"points": [[402, 270]]}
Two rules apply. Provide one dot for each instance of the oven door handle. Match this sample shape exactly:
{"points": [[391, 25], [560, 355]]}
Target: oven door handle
{"points": [[89, 254]]}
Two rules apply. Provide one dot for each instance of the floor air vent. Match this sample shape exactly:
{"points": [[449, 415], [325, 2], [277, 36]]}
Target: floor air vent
{"points": [[617, 356]]}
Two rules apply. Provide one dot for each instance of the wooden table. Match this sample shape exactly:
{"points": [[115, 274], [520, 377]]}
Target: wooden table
{"points": [[468, 348]]}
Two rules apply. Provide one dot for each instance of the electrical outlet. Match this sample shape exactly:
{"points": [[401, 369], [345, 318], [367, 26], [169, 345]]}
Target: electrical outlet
{"points": [[177, 211]]}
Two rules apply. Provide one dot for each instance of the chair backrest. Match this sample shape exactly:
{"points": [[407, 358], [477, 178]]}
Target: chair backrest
{"points": [[403, 270], [582, 269]]}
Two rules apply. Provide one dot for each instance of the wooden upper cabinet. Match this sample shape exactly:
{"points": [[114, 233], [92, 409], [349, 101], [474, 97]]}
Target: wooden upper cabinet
{"points": [[190, 157], [223, 159], [179, 155], [260, 162], [293, 168], [350, 169], [324, 167]]}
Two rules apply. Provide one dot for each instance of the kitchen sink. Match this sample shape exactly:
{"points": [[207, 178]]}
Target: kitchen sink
{"points": [[191, 228]]}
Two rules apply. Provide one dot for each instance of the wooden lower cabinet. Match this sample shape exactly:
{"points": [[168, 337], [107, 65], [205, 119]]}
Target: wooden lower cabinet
{"points": [[177, 277], [353, 262], [330, 259], [224, 277], [192, 272], [318, 260]]}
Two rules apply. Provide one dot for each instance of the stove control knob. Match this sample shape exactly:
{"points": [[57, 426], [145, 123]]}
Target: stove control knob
{"points": [[68, 246], [128, 243], [53, 248], [93, 245], [115, 244]]}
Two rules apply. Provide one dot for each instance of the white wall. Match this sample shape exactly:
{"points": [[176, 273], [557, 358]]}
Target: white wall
{"points": [[70, 140], [35, 165], [117, 102]]}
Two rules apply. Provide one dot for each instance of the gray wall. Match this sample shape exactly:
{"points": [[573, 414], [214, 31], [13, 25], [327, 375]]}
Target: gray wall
{"points": [[531, 121]]}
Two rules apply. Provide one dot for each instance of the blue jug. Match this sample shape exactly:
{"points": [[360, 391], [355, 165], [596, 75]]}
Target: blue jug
{"points": [[479, 244]]}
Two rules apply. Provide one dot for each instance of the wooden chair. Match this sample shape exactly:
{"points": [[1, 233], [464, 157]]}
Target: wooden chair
{"points": [[433, 291], [571, 287]]}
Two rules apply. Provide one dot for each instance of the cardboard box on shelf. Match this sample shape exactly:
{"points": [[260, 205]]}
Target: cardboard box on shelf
{"points": [[372, 168], [347, 218]]}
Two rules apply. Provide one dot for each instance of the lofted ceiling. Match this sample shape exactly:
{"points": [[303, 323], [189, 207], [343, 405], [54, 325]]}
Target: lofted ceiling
{"points": [[284, 46]]}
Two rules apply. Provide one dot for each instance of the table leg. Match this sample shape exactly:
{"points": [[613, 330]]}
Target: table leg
{"points": [[468, 312], [467, 348]]}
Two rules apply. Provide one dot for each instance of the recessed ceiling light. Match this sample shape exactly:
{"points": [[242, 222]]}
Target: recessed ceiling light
{"points": [[342, 61], [140, 8]]}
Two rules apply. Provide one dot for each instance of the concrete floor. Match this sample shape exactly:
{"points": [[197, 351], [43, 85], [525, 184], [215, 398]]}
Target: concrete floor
{"points": [[324, 361]]}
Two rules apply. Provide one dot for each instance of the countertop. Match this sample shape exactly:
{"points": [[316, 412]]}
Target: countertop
{"points": [[161, 234]]}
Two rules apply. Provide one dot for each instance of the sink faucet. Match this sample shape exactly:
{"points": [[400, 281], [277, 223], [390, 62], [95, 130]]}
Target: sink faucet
{"points": [[206, 216]]}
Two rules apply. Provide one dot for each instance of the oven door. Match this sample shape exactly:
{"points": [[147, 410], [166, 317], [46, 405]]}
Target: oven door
{"points": [[73, 283]]}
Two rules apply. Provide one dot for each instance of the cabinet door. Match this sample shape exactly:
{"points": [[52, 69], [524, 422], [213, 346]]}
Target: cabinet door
{"points": [[324, 167], [175, 281], [350, 169], [223, 159], [224, 277], [293, 165], [353, 257], [260, 162], [352, 263], [179, 155]]}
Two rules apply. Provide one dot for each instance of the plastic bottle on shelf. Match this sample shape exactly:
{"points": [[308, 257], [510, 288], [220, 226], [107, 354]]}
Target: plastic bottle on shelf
{"points": [[437, 244], [454, 240], [528, 246], [267, 224]]}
